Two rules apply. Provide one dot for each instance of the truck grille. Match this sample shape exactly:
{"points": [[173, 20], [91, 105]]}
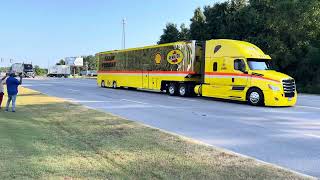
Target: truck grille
{"points": [[289, 87]]}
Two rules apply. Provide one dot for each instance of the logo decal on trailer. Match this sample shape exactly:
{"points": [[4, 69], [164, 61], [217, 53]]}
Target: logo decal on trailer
{"points": [[158, 58], [175, 56]]}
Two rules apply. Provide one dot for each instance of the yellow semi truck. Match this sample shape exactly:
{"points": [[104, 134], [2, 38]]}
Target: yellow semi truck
{"points": [[222, 68]]}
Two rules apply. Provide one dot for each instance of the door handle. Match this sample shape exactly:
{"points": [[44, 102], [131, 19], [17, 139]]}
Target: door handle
{"points": [[233, 80]]}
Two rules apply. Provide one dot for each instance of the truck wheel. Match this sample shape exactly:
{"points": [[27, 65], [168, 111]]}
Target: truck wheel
{"points": [[172, 89], [183, 90], [255, 97], [103, 84], [114, 85]]}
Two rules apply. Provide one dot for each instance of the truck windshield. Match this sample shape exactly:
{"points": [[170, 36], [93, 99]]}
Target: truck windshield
{"points": [[259, 64], [27, 66]]}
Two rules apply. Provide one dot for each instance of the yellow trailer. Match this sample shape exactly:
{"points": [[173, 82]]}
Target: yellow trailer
{"points": [[227, 69], [170, 67]]}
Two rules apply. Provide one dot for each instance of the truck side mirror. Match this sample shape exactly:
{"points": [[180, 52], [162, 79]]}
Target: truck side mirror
{"points": [[242, 67]]}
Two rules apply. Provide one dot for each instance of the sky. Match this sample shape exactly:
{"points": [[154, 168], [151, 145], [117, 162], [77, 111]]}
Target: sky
{"points": [[42, 32]]}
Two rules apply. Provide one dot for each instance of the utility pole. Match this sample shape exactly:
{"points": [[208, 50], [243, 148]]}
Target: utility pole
{"points": [[124, 33]]}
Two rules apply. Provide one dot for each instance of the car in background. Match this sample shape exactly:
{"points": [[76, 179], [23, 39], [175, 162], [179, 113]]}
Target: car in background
{"points": [[89, 73], [84, 73], [93, 73]]}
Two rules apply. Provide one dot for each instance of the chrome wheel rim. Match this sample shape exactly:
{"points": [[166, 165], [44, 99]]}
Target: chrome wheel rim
{"points": [[171, 90], [254, 97], [182, 91]]}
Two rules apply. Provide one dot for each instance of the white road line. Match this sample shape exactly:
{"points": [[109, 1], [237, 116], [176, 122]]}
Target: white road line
{"points": [[74, 90], [183, 99], [89, 101], [29, 85], [138, 102], [310, 107], [312, 135]]}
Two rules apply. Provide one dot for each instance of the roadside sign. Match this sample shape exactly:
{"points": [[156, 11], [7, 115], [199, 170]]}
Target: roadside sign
{"points": [[74, 61]]}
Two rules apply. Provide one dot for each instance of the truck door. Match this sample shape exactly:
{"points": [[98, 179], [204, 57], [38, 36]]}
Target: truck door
{"points": [[217, 84], [239, 79]]}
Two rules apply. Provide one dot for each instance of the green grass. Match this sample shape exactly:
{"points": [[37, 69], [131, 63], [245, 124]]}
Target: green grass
{"points": [[51, 139]]}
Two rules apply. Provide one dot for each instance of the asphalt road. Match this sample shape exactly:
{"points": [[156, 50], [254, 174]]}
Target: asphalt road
{"points": [[289, 137]]}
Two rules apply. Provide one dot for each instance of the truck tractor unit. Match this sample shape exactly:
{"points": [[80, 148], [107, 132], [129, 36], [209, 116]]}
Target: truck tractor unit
{"points": [[25, 69]]}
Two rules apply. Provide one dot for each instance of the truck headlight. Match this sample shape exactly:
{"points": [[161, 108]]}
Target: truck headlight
{"points": [[274, 88]]}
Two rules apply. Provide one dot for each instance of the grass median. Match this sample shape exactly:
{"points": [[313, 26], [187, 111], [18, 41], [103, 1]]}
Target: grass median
{"points": [[48, 138]]}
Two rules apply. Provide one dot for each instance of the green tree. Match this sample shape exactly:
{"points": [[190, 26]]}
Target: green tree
{"points": [[184, 33], [61, 62], [287, 30], [170, 34], [91, 61], [198, 28], [39, 71]]}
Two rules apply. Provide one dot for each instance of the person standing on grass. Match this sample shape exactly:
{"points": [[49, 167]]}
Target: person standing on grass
{"points": [[12, 88], [1, 89]]}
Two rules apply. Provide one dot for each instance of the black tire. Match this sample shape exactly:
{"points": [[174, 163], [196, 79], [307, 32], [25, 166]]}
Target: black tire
{"points": [[184, 90], [114, 85], [103, 84], [255, 97], [172, 89]]}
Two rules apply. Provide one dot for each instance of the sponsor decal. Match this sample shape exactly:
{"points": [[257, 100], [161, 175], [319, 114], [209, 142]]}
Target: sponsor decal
{"points": [[224, 66], [175, 56], [158, 58]]}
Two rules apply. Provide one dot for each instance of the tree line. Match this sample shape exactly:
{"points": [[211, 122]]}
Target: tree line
{"points": [[287, 30]]}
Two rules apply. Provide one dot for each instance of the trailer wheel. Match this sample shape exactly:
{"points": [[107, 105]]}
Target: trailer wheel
{"points": [[114, 85], [183, 90], [172, 89], [103, 84], [255, 97]]}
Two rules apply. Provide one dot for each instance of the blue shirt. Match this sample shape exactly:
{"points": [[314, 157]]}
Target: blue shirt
{"points": [[12, 86]]}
